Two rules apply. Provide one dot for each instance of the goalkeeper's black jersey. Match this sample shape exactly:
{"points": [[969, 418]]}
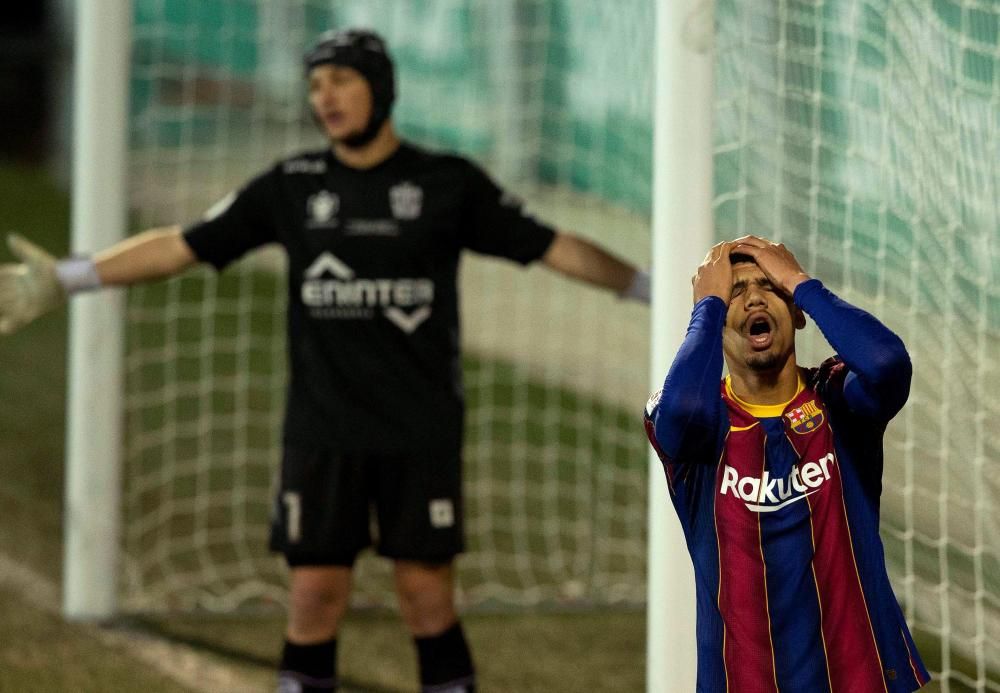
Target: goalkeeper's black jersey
{"points": [[373, 325]]}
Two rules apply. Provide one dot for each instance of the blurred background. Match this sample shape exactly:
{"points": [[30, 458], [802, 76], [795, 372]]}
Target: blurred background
{"points": [[863, 134], [26, 81]]}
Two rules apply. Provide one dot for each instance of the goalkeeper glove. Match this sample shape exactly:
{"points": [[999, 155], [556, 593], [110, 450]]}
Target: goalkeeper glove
{"points": [[29, 288]]}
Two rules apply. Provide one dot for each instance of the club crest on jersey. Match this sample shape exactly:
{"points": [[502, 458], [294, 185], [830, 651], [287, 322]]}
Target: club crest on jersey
{"points": [[805, 419], [321, 208], [406, 200]]}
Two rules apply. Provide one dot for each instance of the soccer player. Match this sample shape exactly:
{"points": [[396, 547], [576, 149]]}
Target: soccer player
{"points": [[775, 474], [373, 228]]}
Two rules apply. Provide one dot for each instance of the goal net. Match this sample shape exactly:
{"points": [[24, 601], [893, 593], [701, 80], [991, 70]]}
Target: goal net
{"points": [[865, 134]]}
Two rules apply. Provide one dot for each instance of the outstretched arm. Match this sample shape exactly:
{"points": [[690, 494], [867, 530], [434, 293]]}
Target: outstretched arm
{"points": [[153, 254], [580, 259], [40, 282]]}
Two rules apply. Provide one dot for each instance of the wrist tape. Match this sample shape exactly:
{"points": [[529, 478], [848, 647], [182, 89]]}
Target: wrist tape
{"points": [[640, 289], [77, 274]]}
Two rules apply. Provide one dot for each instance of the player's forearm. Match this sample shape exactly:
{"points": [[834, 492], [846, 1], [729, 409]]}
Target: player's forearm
{"points": [[150, 255], [686, 417], [581, 259], [872, 351], [39, 282]]}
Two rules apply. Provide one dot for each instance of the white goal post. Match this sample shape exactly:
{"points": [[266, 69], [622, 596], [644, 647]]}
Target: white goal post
{"points": [[96, 343], [682, 232]]}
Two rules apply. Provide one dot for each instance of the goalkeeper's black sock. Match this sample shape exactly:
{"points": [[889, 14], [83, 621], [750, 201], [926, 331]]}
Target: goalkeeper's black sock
{"points": [[308, 668], [445, 663]]}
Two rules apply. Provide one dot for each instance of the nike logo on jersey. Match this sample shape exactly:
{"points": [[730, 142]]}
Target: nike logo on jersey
{"points": [[331, 290], [766, 495]]}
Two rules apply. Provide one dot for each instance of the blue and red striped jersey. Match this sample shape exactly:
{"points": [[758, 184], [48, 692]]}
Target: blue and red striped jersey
{"points": [[780, 509]]}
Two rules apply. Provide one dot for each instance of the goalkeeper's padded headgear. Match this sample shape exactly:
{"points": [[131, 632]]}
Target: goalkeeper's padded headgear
{"points": [[366, 52]]}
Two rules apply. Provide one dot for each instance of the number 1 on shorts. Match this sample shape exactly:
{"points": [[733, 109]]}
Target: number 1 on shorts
{"points": [[293, 517]]}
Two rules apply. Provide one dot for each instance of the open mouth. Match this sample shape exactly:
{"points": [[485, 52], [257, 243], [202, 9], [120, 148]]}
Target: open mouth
{"points": [[333, 118], [759, 332]]}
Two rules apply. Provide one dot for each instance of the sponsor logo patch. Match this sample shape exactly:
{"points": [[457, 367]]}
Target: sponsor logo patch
{"points": [[304, 166], [653, 400], [765, 494], [807, 418], [332, 290]]}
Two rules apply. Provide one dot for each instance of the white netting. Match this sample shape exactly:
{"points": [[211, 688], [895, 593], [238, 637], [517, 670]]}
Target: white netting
{"points": [[864, 134], [556, 373]]}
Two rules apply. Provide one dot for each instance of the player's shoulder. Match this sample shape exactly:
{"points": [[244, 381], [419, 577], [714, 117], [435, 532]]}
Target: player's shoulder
{"points": [[311, 162], [829, 374], [440, 160]]}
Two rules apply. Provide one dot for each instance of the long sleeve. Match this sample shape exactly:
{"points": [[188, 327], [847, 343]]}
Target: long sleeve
{"points": [[878, 383], [685, 420]]}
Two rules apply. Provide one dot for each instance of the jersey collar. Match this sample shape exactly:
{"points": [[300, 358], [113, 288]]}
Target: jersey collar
{"points": [[762, 411]]}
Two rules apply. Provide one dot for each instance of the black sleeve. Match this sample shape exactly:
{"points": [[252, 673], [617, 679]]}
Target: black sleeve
{"points": [[495, 222], [237, 224]]}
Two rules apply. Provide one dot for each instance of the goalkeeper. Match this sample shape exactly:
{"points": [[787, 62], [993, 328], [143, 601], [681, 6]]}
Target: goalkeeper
{"points": [[373, 228], [775, 473]]}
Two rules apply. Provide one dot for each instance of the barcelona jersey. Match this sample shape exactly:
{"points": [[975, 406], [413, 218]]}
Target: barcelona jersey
{"points": [[780, 509]]}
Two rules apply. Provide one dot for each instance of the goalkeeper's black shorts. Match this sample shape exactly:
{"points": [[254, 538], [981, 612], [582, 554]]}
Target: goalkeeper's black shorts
{"points": [[329, 506]]}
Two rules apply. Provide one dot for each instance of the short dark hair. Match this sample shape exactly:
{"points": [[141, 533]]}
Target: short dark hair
{"points": [[740, 257]]}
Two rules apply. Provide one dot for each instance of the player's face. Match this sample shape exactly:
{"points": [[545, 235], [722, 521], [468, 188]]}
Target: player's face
{"points": [[341, 99], [760, 323]]}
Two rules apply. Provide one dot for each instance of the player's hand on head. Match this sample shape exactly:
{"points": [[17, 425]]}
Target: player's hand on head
{"points": [[28, 288], [714, 276], [750, 239], [774, 259]]}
